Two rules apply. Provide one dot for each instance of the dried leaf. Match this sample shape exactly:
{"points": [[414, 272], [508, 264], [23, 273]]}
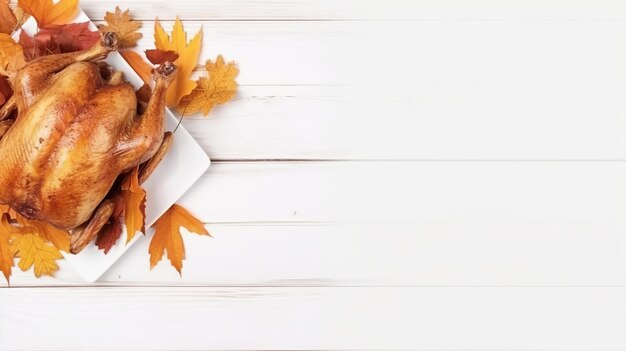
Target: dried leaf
{"points": [[158, 57], [187, 58], [111, 232], [11, 56], [5, 90], [167, 236], [134, 198], [122, 24], [34, 251], [143, 69], [33, 48], [20, 15], [68, 37], [218, 88], [144, 93], [6, 255], [8, 22], [47, 12]]}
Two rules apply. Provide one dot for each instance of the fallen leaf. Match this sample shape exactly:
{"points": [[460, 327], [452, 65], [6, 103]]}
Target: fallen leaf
{"points": [[122, 24], [143, 69], [218, 88], [33, 49], [68, 37], [20, 15], [112, 231], [47, 12], [11, 56], [157, 57], [34, 251], [187, 58], [57, 237], [8, 22], [167, 236], [5, 90], [144, 93], [134, 198], [6, 255]]}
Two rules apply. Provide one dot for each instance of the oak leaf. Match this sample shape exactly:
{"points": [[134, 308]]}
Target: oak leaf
{"points": [[47, 12], [134, 199], [8, 22], [187, 58], [143, 69], [167, 236], [34, 251], [218, 88], [11, 56], [111, 232], [157, 57], [122, 24]]}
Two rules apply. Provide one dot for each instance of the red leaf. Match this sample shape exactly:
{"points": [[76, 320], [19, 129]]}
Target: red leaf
{"points": [[5, 90], [158, 57], [69, 37], [111, 232], [34, 48]]}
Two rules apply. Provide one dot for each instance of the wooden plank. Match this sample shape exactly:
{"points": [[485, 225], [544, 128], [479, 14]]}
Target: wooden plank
{"points": [[360, 10], [317, 254], [382, 223], [466, 100], [312, 318]]}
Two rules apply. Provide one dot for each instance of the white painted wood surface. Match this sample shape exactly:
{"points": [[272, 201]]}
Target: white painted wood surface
{"points": [[432, 175]]}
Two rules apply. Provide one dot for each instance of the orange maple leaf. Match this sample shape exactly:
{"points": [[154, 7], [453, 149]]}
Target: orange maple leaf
{"points": [[47, 12], [8, 22], [167, 236], [6, 255], [11, 56], [139, 65], [122, 24], [187, 58], [134, 198], [57, 237], [218, 88]]}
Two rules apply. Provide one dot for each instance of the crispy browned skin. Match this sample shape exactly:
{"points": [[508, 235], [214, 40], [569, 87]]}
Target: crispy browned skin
{"points": [[74, 134]]}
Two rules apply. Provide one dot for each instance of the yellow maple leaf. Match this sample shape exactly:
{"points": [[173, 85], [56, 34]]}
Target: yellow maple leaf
{"points": [[134, 198], [11, 56], [47, 12], [57, 237], [187, 58], [8, 22], [123, 25], [34, 251], [167, 236], [218, 88]]}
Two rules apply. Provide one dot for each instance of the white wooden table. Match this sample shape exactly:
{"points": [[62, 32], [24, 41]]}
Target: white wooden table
{"points": [[433, 175]]}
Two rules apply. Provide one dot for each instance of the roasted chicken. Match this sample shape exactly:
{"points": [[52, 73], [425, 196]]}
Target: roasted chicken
{"points": [[76, 129]]}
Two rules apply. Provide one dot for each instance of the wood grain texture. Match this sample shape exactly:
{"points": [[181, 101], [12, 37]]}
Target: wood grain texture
{"points": [[313, 318]]}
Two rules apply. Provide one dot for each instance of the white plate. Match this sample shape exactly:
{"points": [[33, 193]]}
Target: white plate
{"points": [[180, 169]]}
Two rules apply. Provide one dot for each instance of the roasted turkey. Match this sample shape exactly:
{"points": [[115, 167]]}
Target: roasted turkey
{"points": [[77, 128]]}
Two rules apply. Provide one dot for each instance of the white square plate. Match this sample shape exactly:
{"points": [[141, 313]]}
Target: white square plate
{"points": [[180, 169]]}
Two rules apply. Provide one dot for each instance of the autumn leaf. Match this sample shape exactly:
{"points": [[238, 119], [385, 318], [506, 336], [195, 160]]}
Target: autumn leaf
{"points": [[111, 232], [34, 251], [46, 12], [68, 37], [11, 56], [158, 57], [57, 237], [122, 24], [6, 255], [167, 236], [5, 90], [134, 198], [187, 58], [218, 88], [143, 69], [8, 22]]}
